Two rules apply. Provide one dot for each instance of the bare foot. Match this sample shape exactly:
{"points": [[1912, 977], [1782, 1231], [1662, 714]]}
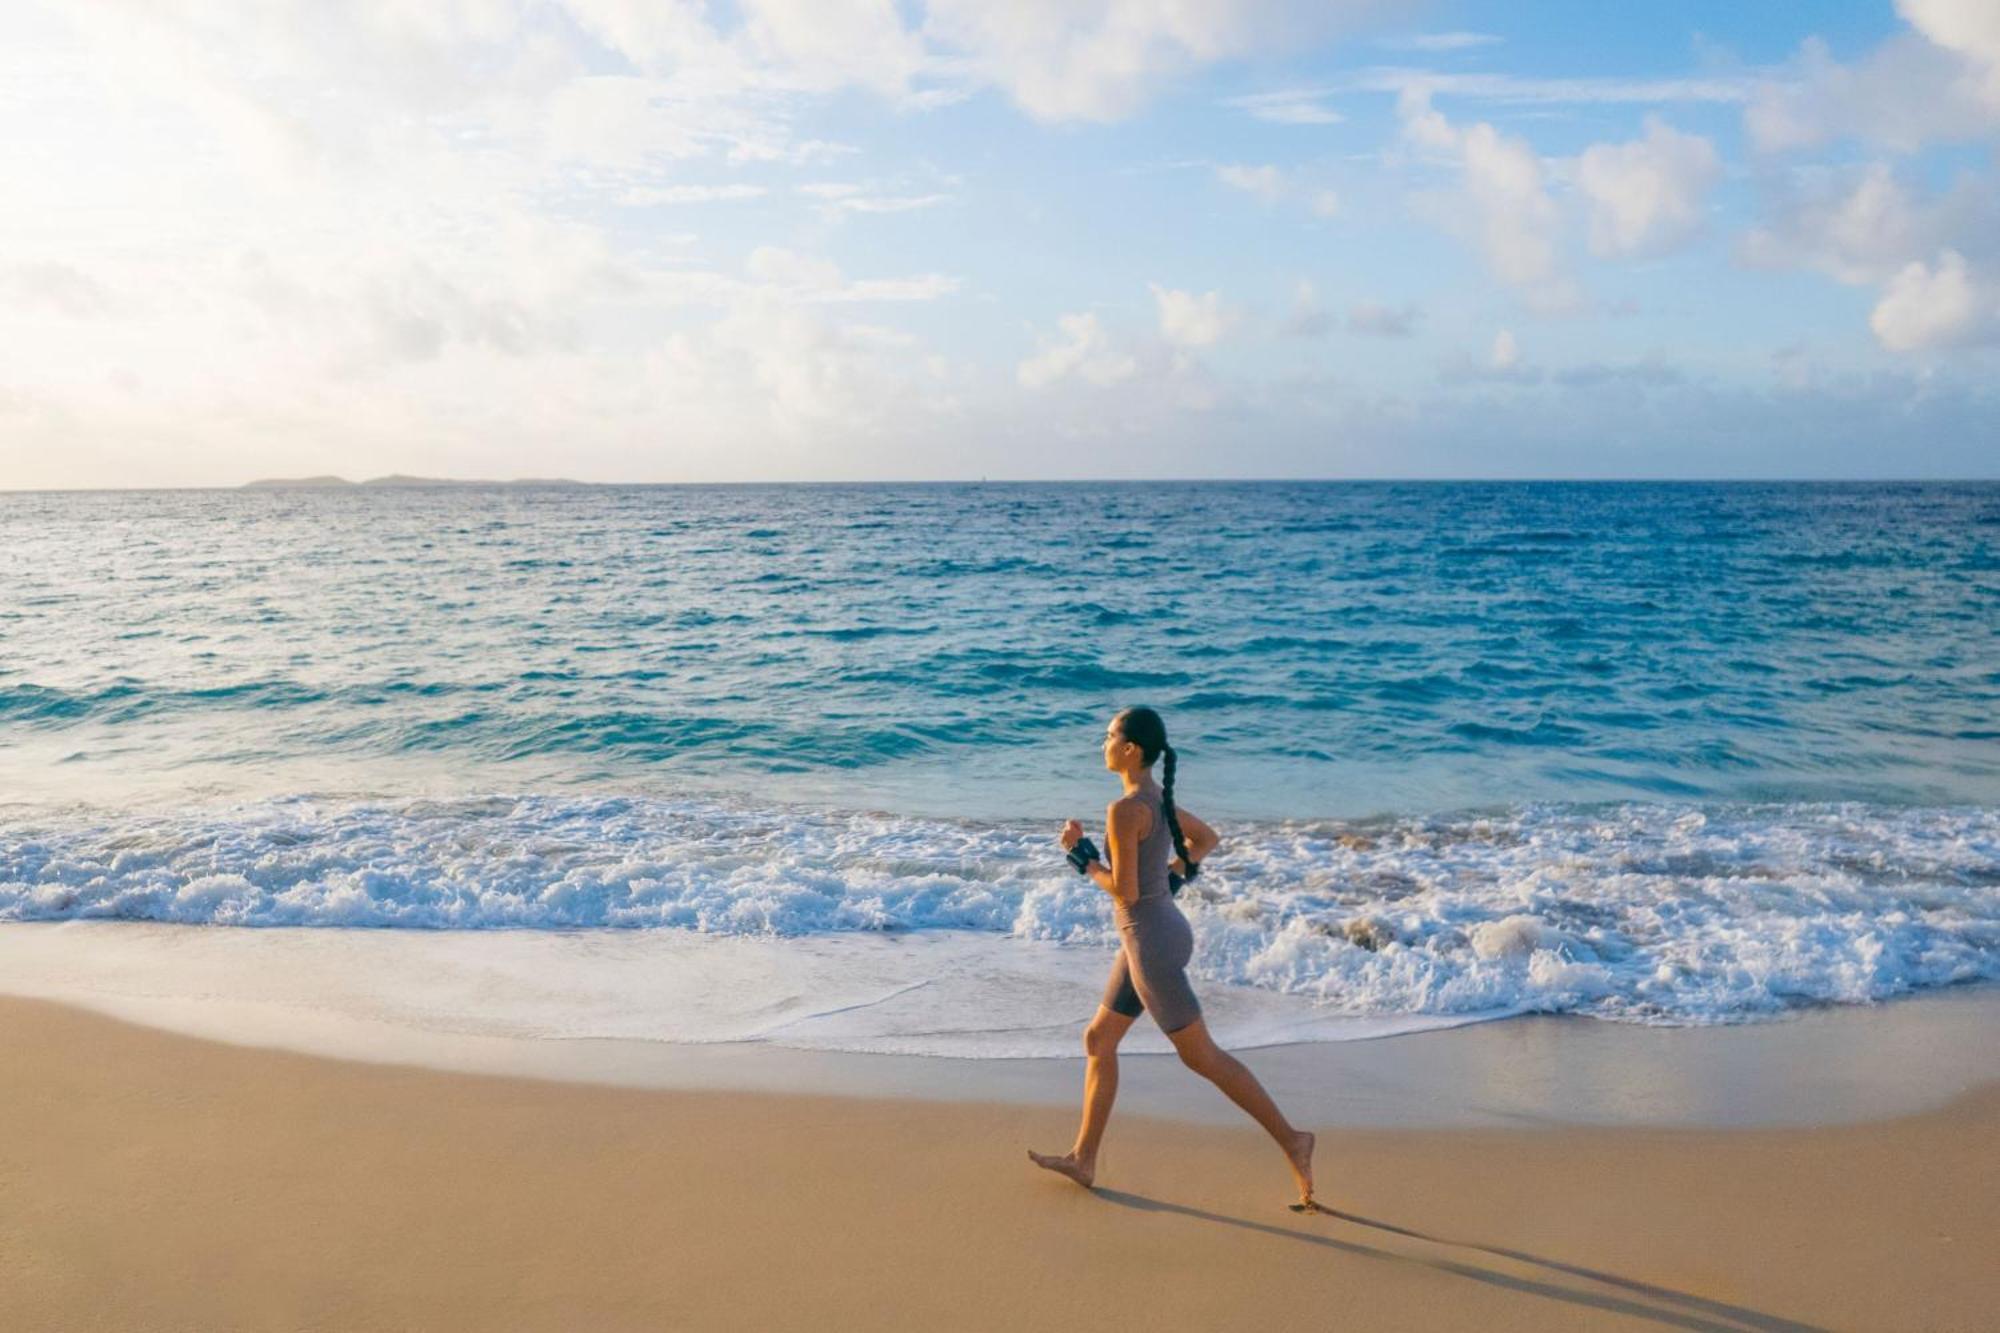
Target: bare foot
{"points": [[1066, 1165], [1300, 1155]]}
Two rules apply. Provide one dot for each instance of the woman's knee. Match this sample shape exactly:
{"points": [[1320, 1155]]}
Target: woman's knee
{"points": [[1197, 1049], [1102, 1038]]}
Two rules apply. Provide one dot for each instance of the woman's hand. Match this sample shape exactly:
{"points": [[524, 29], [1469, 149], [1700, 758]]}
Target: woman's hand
{"points": [[1071, 834]]}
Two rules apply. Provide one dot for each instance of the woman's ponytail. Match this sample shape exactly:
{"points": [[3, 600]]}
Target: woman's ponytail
{"points": [[1173, 820], [1143, 727]]}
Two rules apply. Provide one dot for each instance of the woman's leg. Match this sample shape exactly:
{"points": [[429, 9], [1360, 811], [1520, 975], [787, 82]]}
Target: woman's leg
{"points": [[1199, 1052], [1100, 1089]]}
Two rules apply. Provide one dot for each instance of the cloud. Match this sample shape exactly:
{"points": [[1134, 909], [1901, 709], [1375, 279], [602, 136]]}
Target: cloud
{"points": [[1080, 348], [1970, 28], [1502, 364], [1267, 183], [53, 285], [1932, 258], [1375, 320], [813, 279], [1100, 59], [809, 372], [1650, 371], [1307, 318], [643, 195], [1938, 81], [1503, 201], [1288, 107], [822, 46], [1188, 320], [1440, 41], [1647, 196], [843, 197], [289, 291], [773, 266], [1940, 305], [881, 203], [1272, 185], [415, 311], [1854, 229], [1518, 90]]}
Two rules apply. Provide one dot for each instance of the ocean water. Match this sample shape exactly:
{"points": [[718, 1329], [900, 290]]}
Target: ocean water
{"points": [[1668, 753]]}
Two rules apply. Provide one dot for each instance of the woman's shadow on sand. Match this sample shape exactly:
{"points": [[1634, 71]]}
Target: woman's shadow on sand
{"points": [[1662, 1305]]}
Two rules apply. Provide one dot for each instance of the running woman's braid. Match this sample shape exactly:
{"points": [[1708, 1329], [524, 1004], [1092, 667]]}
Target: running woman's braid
{"points": [[1173, 820], [1145, 729]]}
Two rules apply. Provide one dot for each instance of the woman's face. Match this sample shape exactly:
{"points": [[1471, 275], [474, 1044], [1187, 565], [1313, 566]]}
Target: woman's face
{"points": [[1118, 751]]}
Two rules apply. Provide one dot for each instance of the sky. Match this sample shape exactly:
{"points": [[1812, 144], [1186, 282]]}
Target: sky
{"points": [[942, 239]]}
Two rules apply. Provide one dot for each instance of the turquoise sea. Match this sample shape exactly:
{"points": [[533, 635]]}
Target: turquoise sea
{"points": [[1664, 752]]}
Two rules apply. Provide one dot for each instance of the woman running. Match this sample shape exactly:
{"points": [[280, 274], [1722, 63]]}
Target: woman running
{"points": [[1155, 945]]}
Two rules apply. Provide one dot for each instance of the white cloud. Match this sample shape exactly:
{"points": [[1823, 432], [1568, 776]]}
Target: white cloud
{"points": [[882, 203], [845, 197], [393, 227], [1191, 320], [1518, 90], [643, 195], [53, 285], [1272, 185], [1099, 59], [1056, 59], [1502, 363], [1854, 234], [1080, 348], [811, 278], [1504, 201], [287, 289], [1971, 28], [1937, 305], [1441, 41], [773, 266], [1647, 196], [828, 44], [1267, 183], [1939, 81], [1288, 107], [1931, 257]]}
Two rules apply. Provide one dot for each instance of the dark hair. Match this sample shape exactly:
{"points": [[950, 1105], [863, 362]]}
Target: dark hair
{"points": [[1143, 727]]}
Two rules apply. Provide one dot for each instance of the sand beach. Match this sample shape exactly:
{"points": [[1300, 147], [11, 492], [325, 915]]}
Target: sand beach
{"points": [[152, 1180]]}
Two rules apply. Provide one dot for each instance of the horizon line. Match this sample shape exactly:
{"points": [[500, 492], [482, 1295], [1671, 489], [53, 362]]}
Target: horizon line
{"points": [[566, 484]]}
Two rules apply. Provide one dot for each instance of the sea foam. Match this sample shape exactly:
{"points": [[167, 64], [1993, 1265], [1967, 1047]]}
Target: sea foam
{"points": [[1652, 913]]}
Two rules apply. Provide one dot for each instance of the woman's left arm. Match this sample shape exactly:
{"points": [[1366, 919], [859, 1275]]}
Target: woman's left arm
{"points": [[1200, 838]]}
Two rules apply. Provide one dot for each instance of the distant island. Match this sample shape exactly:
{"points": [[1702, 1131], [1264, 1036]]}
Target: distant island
{"points": [[399, 479]]}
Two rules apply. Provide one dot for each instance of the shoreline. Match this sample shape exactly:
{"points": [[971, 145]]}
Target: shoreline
{"points": [[161, 1181], [474, 1003]]}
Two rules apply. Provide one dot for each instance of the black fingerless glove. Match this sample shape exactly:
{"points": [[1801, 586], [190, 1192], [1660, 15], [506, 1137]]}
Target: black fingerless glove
{"points": [[1083, 854]]}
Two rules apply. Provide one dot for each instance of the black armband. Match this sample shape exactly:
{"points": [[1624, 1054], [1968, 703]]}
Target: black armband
{"points": [[1083, 854]]}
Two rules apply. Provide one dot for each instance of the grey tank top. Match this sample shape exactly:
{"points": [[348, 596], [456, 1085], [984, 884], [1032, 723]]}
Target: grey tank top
{"points": [[1156, 850]]}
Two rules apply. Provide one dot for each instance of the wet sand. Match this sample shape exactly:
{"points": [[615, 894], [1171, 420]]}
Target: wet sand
{"points": [[159, 1181], [532, 1003]]}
